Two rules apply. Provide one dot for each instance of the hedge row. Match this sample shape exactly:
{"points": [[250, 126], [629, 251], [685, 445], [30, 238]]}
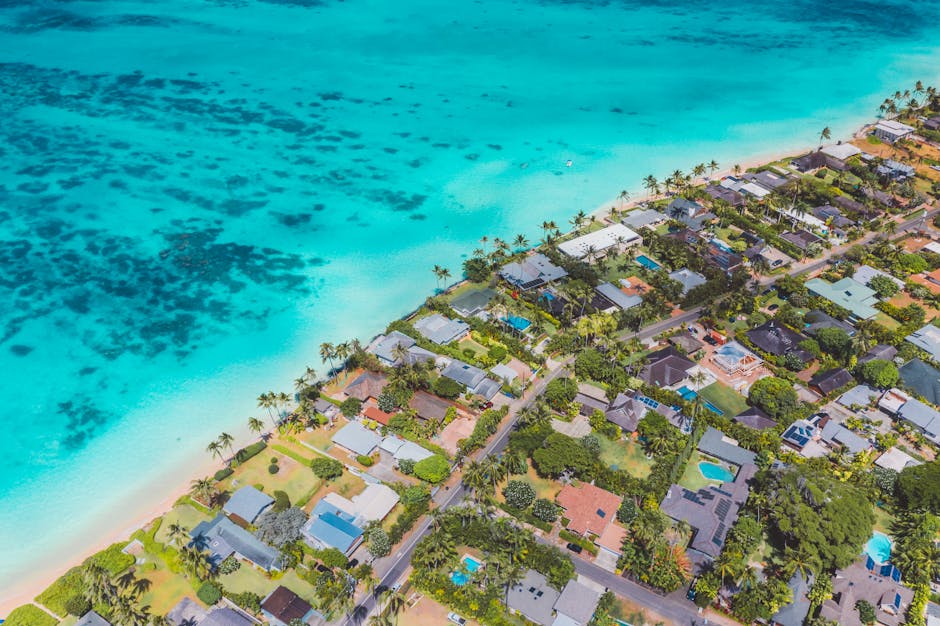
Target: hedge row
{"points": [[30, 615], [250, 451], [567, 535], [527, 517]]}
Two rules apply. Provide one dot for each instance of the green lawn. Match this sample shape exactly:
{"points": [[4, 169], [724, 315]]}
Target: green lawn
{"points": [[184, 515], [887, 321], [729, 401], [248, 578], [625, 454], [883, 520], [166, 589], [692, 478], [470, 344], [322, 438], [293, 478]]}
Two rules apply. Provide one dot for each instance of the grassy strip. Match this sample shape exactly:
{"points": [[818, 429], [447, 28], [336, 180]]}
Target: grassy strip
{"points": [[290, 453], [29, 615], [567, 535], [527, 517]]}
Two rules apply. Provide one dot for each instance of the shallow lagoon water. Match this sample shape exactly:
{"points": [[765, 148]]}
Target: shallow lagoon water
{"points": [[196, 194]]}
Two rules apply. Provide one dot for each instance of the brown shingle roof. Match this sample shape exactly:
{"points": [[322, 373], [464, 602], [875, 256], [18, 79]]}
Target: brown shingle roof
{"points": [[285, 605], [367, 385]]}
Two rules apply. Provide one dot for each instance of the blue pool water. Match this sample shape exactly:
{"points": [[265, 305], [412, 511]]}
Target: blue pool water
{"points": [[647, 262], [713, 471], [183, 225], [519, 323], [686, 393], [879, 547], [460, 577]]}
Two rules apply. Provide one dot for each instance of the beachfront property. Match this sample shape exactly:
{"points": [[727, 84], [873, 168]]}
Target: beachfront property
{"points": [[891, 131], [815, 161], [357, 439], [688, 279], [778, 340], [534, 271], [613, 239], [222, 538], [441, 330], [690, 213], [473, 378], [927, 339], [246, 505], [864, 580], [643, 218], [841, 151], [710, 511], [331, 527], [187, 612], [366, 386], [768, 179], [745, 187], [733, 198], [617, 299], [472, 302], [283, 607], [391, 349]]}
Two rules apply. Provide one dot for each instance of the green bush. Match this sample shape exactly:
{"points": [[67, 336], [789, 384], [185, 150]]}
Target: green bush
{"points": [[433, 469], [55, 596], [29, 615], [281, 501], [365, 460], [519, 494], [406, 466], [112, 559], [273, 469], [77, 605], [527, 517], [209, 594], [351, 407], [545, 510], [327, 469], [223, 473], [248, 600], [250, 451], [229, 565], [447, 388]]}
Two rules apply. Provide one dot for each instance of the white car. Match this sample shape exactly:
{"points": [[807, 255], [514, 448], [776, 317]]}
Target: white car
{"points": [[456, 619]]}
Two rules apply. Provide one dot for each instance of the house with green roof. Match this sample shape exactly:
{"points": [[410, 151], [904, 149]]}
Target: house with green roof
{"points": [[849, 294]]}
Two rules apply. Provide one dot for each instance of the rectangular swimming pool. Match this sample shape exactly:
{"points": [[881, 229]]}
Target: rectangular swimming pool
{"points": [[519, 323], [648, 263]]}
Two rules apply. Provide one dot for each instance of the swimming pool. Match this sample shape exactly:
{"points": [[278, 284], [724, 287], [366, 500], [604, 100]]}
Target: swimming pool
{"points": [[648, 263], [460, 577], [686, 393], [713, 471], [879, 547], [519, 323]]}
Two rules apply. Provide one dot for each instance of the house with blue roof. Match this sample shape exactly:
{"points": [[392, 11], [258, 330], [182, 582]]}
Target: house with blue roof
{"points": [[247, 504], [224, 538], [331, 527]]}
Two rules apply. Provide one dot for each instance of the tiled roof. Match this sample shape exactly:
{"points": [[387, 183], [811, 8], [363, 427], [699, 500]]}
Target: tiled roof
{"points": [[590, 509], [285, 605]]}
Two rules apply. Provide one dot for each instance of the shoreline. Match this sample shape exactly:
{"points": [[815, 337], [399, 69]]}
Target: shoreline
{"points": [[42, 575]]}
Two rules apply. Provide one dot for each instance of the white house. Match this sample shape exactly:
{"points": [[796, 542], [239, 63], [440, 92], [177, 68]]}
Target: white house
{"points": [[615, 237], [891, 130], [841, 151]]}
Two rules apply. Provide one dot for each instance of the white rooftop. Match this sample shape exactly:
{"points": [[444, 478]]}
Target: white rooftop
{"points": [[894, 459], [598, 241], [865, 273], [894, 127], [841, 151], [373, 504]]}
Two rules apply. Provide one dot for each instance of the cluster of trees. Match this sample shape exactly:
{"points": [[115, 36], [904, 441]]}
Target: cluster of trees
{"points": [[650, 557]]}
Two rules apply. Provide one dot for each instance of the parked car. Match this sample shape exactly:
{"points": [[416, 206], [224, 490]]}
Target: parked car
{"points": [[709, 340], [487, 405], [456, 619], [575, 548], [773, 307]]}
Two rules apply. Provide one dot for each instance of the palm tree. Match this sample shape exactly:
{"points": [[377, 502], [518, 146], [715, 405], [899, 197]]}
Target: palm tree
{"points": [[578, 220], [381, 619], [202, 490], [177, 533], [327, 352], [475, 479], [396, 603], [699, 170], [215, 449], [520, 242], [226, 441], [439, 274], [712, 166], [342, 353], [736, 169], [264, 401], [651, 185], [825, 135], [255, 425], [98, 588], [623, 197]]}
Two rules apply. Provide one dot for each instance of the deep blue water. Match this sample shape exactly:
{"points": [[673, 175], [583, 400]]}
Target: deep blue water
{"points": [[194, 195]]}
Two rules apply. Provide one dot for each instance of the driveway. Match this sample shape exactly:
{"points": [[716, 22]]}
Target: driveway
{"points": [[577, 428]]}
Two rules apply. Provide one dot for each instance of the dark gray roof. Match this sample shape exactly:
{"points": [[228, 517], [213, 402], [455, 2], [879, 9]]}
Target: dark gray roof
{"points": [[711, 511], [226, 616], [385, 348], [778, 340], [92, 619], [767, 179], [816, 160], [723, 193], [248, 503], [801, 238], [578, 602], [487, 388], [687, 342], [589, 404], [472, 302], [860, 395], [830, 380], [366, 385], [834, 433], [754, 418], [881, 351], [817, 319], [924, 416], [222, 538], [463, 373], [713, 443], [533, 597], [793, 613], [533, 271], [922, 378], [186, 613], [626, 412], [666, 367], [617, 297]]}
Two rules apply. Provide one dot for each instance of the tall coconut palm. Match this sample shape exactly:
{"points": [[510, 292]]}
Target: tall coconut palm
{"points": [[520, 242], [177, 533], [215, 449], [342, 354], [255, 425], [203, 490], [226, 441], [97, 585], [713, 166], [652, 186], [327, 352], [439, 274], [264, 402], [623, 197], [825, 135], [395, 604]]}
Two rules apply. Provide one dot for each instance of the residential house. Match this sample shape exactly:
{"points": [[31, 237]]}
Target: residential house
{"points": [[472, 302], [331, 527], [688, 279], [716, 444], [619, 301], [386, 347], [372, 505], [504, 373], [533, 271], [770, 255], [923, 417], [400, 449], [721, 256], [806, 219], [91, 618], [818, 160], [643, 218], [686, 342], [928, 339], [891, 131], [755, 419], [367, 385], [859, 395], [861, 581], [744, 187], [892, 400], [441, 330], [689, 212], [588, 404], [222, 538], [626, 411], [849, 294], [612, 239], [803, 436], [801, 239], [767, 179], [357, 439], [734, 358], [827, 381], [778, 340], [855, 207], [895, 170], [841, 151], [817, 319], [924, 379], [533, 598], [187, 612], [710, 511], [896, 460], [717, 192], [932, 123], [881, 351], [795, 611], [282, 606], [882, 197], [589, 509], [246, 505], [473, 378], [666, 368], [377, 415], [326, 408], [576, 605], [838, 436], [832, 218], [429, 407]]}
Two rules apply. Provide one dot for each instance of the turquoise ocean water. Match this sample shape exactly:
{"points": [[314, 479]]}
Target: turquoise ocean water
{"points": [[194, 195]]}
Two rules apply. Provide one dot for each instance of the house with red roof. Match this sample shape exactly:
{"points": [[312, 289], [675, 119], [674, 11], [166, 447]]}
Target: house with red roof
{"points": [[589, 509]]}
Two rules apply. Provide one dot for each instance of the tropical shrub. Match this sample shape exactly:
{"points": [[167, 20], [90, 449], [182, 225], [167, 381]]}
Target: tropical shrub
{"points": [[447, 388], [326, 469], [433, 469], [279, 528], [281, 501], [223, 473], [229, 565], [250, 451], [209, 593], [77, 605], [519, 494], [406, 466], [545, 510], [350, 407], [273, 469], [248, 600], [379, 543], [560, 392], [879, 373]]}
